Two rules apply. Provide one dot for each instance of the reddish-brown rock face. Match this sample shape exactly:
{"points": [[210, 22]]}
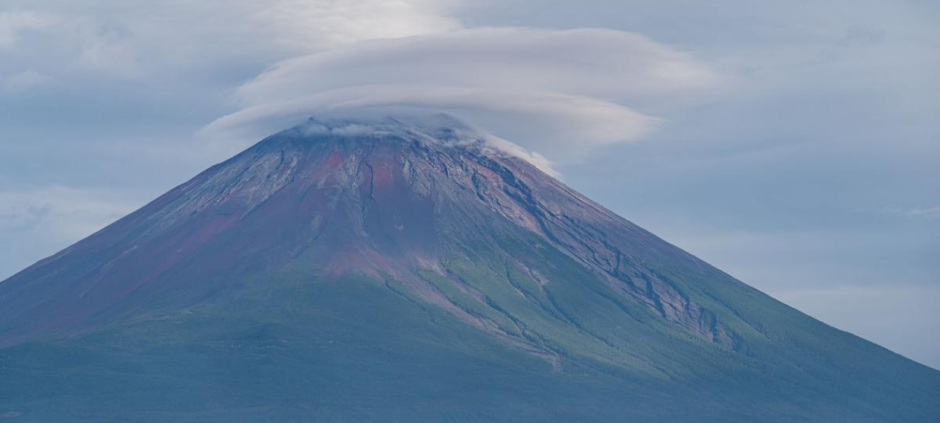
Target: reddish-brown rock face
{"points": [[392, 201]]}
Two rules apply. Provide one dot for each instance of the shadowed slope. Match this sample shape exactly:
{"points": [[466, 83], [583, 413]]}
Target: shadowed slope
{"points": [[350, 271]]}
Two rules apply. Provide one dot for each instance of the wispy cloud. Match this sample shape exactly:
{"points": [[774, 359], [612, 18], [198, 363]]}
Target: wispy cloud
{"points": [[25, 81], [13, 23], [925, 212], [37, 220]]}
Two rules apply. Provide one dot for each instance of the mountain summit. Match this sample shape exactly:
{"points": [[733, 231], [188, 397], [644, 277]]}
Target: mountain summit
{"points": [[414, 270]]}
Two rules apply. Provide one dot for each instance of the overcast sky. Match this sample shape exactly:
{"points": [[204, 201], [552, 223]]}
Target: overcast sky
{"points": [[795, 145]]}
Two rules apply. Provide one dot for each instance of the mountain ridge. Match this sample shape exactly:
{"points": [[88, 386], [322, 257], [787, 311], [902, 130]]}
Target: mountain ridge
{"points": [[458, 236]]}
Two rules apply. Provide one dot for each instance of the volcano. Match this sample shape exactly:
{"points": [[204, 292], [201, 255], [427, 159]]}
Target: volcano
{"points": [[414, 270]]}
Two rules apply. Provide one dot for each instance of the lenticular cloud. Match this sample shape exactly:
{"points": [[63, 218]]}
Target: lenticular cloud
{"points": [[562, 92]]}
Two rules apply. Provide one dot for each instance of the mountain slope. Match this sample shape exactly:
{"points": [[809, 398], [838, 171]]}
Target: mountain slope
{"points": [[410, 271]]}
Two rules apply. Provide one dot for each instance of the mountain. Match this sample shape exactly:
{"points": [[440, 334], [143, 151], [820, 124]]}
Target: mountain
{"points": [[414, 270]]}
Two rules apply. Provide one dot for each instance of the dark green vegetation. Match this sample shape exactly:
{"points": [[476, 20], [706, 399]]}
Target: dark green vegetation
{"points": [[407, 274]]}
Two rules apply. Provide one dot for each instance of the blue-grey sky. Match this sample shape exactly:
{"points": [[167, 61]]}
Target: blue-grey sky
{"points": [[795, 145]]}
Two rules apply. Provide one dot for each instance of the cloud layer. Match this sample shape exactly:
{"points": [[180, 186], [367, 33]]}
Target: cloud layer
{"points": [[561, 92]]}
